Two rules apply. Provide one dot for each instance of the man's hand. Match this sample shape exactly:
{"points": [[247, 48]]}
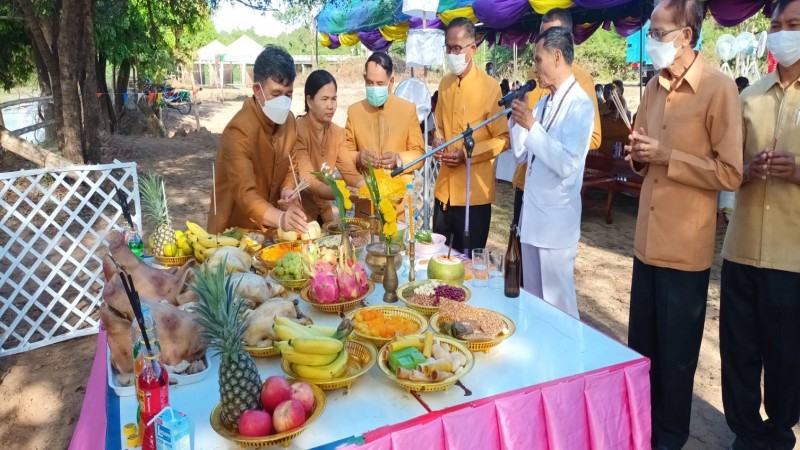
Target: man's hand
{"points": [[454, 159], [757, 167], [645, 149], [522, 115], [294, 219], [388, 160], [781, 164], [287, 199], [367, 157]]}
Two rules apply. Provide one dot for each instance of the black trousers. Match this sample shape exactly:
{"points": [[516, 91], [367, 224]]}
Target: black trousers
{"points": [[451, 221], [518, 195], [760, 329], [668, 308]]}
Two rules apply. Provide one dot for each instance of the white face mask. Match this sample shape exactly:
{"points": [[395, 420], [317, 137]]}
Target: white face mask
{"points": [[662, 54], [277, 109], [785, 47], [457, 63]]}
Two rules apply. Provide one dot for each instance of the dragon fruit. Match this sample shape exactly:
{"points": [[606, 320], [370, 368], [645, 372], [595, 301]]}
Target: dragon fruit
{"points": [[324, 288], [362, 279], [345, 278], [324, 267]]}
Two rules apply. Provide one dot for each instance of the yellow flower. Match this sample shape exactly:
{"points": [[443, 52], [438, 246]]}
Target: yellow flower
{"points": [[389, 187], [389, 229], [345, 193], [388, 211]]}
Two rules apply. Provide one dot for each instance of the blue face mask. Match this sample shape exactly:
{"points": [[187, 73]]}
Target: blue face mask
{"points": [[377, 95]]}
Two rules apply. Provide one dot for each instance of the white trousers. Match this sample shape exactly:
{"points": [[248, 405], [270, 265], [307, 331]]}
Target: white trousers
{"points": [[550, 275]]}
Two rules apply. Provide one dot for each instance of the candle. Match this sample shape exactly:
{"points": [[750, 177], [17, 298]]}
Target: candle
{"points": [[371, 208], [410, 219]]}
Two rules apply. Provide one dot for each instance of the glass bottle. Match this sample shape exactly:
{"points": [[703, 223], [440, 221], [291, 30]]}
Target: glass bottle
{"points": [[135, 242], [513, 266], [151, 378]]}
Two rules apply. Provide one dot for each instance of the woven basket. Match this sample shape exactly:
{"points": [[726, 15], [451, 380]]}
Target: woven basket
{"points": [[383, 363], [335, 308], [360, 358], [335, 226], [427, 311], [262, 352], [284, 439], [290, 285], [295, 246], [389, 311], [480, 346], [170, 261]]}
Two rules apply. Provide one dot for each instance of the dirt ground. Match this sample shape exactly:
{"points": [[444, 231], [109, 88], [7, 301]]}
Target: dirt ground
{"points": [[41, 391]]}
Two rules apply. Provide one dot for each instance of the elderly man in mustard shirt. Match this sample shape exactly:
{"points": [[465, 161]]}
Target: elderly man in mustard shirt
{"points": [[466, 96], [383, 129]]}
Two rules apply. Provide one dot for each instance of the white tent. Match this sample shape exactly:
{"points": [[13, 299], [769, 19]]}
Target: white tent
{"points": [[243, 50], [209, 52]]}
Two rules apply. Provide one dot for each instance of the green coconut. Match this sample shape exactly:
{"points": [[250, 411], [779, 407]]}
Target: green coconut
{"points": [[448, 269]]}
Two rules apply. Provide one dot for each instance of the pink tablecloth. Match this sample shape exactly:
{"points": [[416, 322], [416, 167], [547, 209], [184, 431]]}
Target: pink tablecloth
{"points": [[91, 427], [608, 408]]}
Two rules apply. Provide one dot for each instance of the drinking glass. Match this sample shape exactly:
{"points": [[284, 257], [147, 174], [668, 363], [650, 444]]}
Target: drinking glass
{"points": [[496, 261], [480, 267]]}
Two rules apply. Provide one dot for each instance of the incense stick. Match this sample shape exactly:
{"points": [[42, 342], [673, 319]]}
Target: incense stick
{"points": [[294, 174], [214, 185], [620, 110], [450, 245]]}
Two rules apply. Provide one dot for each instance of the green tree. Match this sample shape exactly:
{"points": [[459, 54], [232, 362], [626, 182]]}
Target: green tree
{"points": [[16, 58]]}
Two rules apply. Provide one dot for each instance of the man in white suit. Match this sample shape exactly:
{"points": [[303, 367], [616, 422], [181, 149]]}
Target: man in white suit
{"points": [[554, 140]]}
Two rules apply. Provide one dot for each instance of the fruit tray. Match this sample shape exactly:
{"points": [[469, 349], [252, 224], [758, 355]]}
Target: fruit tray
{"points": [[480, 346], [361, 356], [422, 386], [406, 313], [283, 439], [174, 379], [295, 246], [171, 261], [423, 309], [339, 307]]}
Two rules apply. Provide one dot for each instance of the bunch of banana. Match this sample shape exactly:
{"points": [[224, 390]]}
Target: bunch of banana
{"points": [[315, 352], [205, 244]]}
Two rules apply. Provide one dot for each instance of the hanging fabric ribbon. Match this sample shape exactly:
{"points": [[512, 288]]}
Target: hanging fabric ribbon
{"points": [[374, 41], [324, 39], [415, 23], [733, 12], [500, 13], [542, 6], [348, 39], [125, 98], [395, 32], [447, 5], [334, 41], [583, 31], [448, 16], [599, 4]]}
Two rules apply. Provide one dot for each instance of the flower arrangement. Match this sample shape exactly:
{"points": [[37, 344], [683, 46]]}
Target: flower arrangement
{"points": [[391, 188], [340, 192], [382, 192]]}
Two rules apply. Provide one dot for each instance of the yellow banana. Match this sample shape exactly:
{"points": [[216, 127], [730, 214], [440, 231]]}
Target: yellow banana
{"points": [[317, 346], [298, 330], [327, 372], [198, 254], [192, 237], [295, 357], [286, 333], [197, 230], [323, 330], [226, 241], [208, 241], [207, 252]]}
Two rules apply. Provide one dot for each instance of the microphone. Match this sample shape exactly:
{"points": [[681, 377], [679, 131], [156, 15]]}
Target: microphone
{"points": [[518, 94]]}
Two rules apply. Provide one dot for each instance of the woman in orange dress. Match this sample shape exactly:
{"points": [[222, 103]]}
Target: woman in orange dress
{"points": [[320, 141]]}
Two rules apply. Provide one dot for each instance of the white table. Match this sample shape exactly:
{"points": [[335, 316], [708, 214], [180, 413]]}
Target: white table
{"points": [[547, 345]]}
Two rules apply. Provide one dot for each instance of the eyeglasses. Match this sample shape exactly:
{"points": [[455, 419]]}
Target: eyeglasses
{"points": [[659, 35], [456, 49]]}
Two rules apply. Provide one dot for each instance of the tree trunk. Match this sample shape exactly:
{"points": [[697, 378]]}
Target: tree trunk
{"points": [[46, 109], [107, 114], [121, 85]]}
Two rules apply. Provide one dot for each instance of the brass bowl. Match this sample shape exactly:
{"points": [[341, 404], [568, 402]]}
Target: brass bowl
{"points": [[295, 246], [424, 309], [376, 259], [419, 319], [360, 358], [421, 386], [355, 225], [276, 439], [339, 307], [480, 346]]}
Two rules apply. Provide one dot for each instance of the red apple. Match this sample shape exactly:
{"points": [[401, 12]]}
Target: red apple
{"points": [[274, 391], [288, 416], [303, 393], [255, 423]]}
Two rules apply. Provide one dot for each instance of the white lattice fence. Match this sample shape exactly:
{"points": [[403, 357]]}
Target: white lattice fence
{"points": [[424, 184], [53, 225]]}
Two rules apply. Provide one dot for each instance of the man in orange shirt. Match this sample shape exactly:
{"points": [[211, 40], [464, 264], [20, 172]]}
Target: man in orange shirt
{"points": [[253, 180], [688, 147], [467, 96]]}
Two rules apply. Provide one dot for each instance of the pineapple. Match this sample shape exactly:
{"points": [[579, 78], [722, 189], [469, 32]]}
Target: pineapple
{"points": [[219, 311], [155, 209]]}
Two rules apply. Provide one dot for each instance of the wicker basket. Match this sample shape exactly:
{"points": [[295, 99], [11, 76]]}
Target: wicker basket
{"points": [[290, 285], [262, 352], [284, 439], [355, 225], [406, 313], [481, 346], [419, 386], [360, 358], [336, 308], [427, 311], [170, 261], [295, 246]]}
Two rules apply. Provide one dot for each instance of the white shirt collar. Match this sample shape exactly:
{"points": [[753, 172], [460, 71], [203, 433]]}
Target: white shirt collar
{"points": [[563, 89]]}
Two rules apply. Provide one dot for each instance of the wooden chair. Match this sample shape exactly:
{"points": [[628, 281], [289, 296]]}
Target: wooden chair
{"points": [[599, 174]]}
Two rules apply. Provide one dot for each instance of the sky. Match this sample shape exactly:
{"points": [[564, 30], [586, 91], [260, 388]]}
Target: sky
{"points": [[231, 16]]}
